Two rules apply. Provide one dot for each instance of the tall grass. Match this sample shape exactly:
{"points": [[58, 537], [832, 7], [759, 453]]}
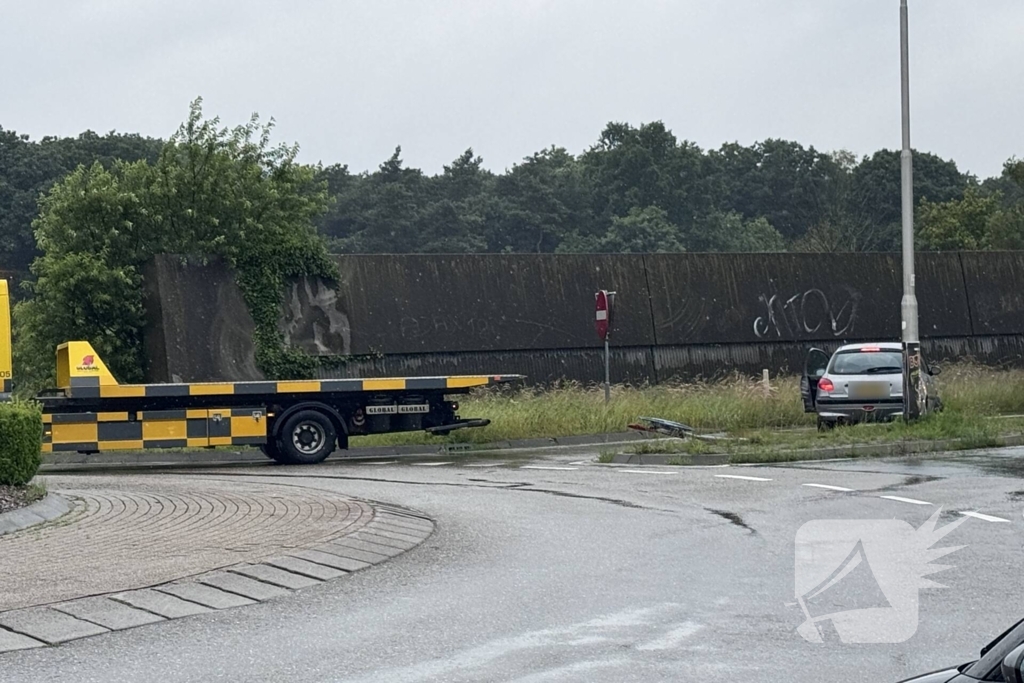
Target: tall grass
{"points": [[574, 409], [975, 389], [736, 404]]}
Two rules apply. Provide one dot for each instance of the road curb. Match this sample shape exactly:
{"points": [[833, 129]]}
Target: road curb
{"points": [[46, 510], [895, 448], [77, 462], [391, 532]]}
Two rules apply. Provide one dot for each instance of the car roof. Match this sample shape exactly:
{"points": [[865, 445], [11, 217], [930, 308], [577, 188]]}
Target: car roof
{"points": [[885, 346]]}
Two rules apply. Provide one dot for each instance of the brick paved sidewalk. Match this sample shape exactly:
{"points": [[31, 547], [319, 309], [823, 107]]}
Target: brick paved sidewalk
{"points": [[157, 547]]}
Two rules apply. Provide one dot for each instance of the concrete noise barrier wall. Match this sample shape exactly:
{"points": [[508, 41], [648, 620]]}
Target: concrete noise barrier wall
{"points": [[677, 315]]}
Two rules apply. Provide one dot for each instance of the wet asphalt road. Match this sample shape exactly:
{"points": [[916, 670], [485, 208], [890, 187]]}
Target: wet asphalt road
{"points": [[585, 572]]}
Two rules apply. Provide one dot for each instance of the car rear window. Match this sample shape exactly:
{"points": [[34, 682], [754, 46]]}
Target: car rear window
{"points": [[867, 363]]}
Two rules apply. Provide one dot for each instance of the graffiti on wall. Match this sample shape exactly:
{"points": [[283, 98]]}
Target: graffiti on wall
{"points": [[313, 321], [806, 313]]}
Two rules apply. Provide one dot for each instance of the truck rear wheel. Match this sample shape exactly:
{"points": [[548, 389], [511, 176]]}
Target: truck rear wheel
{"points": [[306, 438], [272, 449]]}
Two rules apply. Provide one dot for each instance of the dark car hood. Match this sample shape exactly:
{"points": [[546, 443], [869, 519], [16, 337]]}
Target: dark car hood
{"points": [[944, 676]]}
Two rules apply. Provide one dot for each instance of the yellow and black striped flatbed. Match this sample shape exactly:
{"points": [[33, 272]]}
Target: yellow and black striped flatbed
{"points": [[89, 416], [91, 387]]}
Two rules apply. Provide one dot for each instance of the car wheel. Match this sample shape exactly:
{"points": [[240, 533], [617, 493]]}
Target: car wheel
{"points": [[307, 437]]}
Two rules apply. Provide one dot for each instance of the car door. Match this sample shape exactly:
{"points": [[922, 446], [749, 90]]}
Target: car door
{"points": [[933, 404], [814, 368]]}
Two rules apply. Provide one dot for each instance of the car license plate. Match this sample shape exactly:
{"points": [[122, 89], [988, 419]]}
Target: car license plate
{"points": [[869, 390]]}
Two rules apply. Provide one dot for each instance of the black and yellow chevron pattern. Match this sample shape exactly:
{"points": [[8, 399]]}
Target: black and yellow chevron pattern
{"points": [[192, 428], [89, 387]]}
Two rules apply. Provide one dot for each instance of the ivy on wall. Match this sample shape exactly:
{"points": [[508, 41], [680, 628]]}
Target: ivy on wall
{"points": [[262, 278]]}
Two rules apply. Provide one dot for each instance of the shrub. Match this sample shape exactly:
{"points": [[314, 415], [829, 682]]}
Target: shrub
{"points": [[21, 436]]}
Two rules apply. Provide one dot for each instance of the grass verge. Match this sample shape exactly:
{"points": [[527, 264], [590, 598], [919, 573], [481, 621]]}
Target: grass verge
{"points": [[573, 409], [762, 424], [959, 431]]}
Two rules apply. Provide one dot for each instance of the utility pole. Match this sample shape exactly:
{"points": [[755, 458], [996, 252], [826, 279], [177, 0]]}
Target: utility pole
{"points": [[913, 395]]}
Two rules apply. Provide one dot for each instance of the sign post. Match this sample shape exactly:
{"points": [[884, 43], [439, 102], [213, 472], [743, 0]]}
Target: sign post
{"points": [[603, 304]]}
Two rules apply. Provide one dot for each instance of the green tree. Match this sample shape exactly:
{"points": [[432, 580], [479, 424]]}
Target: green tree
{"points": [[877, 184], [1006, 228], [453, 221], [844, 222], [635, 168], [957, 224], [28, 169], [1014, 170], [87, 280], [730, 231], [779, 180], [537, 205], [380, 214], [642, 231], [212, 193]]}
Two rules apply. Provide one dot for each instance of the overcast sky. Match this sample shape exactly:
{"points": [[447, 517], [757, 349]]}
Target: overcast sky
{"points": [[351, 80]]}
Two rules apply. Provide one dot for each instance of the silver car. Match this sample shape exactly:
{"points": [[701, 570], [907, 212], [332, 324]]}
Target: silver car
{"points": [[859, 383]]}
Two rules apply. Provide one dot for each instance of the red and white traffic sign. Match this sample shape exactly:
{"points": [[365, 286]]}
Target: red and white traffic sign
{"points": [[602, 314]]}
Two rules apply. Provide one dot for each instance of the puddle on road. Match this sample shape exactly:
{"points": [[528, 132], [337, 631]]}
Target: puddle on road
{"points": [[912, 480]]}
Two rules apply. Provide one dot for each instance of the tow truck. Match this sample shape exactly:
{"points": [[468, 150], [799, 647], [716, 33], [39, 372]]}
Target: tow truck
{"points": [[292, 422]]}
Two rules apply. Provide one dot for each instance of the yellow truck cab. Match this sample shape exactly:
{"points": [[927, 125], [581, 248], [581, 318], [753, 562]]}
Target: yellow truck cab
{"points": [[293, 422]]}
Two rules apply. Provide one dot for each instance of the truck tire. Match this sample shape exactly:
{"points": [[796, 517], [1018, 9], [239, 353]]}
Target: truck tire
{"points": [[272, 449], [306, 438]]}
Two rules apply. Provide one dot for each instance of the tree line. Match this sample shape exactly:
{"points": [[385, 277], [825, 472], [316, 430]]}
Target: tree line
{"points": [[637, 189]]}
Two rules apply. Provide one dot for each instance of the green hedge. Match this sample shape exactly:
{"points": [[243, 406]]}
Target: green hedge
{"points": [[21, 437]]}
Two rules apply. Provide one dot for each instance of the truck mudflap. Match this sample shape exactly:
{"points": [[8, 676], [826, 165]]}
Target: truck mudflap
{"points": [[441, 430]]}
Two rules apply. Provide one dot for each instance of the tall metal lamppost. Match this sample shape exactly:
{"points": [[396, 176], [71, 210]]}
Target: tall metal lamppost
{"points": [[912, 390]]}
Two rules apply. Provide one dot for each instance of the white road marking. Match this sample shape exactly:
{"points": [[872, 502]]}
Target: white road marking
{"points": [[646, 472], [737, 476], [388, 462], [829, 488], [987, 518], [545, 467], [484, 464], [906, 500], [430, 464], [580, 462]]}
